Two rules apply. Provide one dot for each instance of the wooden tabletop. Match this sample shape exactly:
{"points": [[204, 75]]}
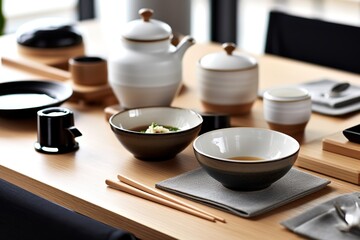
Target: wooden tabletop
{"points": [[77, 180]]}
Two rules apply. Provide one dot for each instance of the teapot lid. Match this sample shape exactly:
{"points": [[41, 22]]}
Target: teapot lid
{"points": [[146, 29], [227, 60]]}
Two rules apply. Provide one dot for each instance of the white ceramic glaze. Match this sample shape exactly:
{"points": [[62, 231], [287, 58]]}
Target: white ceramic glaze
{"points": [[287, 105], [241, 141], [227, 78], [146, 29], [227, 60], [147, 64], [184, 119]]}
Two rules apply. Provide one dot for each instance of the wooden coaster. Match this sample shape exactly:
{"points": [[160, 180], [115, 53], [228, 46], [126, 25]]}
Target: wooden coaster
{"points": [[102, 94], [339, 144], [313, 157], [93, 94], [54, 57]]}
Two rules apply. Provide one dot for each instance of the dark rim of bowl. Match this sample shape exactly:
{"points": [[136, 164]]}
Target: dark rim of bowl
{"points": [[220, 159], [153, 134]]}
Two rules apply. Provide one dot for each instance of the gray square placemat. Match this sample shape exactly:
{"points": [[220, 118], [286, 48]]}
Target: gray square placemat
{"points": [[198, 185], [322, 222]]}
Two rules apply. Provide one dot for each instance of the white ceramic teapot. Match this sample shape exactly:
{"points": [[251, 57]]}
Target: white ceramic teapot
{"points": [[147, 71]]}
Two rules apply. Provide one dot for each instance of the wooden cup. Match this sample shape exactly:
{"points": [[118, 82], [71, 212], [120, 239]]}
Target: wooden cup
{"points": [[88, 70]]}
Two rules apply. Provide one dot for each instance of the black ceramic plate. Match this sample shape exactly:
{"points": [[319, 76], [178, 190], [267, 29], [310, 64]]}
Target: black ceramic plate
{"points": [[25, 98], [353, 134]]}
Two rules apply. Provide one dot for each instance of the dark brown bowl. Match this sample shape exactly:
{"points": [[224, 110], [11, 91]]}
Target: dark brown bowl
{"points": [[266, 156], [156, 146]]}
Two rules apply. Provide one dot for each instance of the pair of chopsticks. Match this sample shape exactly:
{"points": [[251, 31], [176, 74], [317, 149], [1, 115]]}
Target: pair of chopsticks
{"points": [[137, 189]]}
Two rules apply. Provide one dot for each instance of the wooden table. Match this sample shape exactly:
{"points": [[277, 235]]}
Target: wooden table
{"points": [[76, 180]]}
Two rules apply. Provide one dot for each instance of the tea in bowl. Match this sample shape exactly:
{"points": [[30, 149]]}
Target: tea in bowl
{"points": [[246, 159], [156, 133]]}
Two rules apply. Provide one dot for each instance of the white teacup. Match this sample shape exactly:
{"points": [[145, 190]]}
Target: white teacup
{"points": [[287, 109]]}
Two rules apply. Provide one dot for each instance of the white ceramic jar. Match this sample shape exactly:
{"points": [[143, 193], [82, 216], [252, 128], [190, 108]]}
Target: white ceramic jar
{"points": [[147, 70], [287, 109], [228, 81]]}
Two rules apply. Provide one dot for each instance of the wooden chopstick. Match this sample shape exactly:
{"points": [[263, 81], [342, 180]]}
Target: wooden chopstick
{"points": [[144, 188], [36, 68], [136, 192]]}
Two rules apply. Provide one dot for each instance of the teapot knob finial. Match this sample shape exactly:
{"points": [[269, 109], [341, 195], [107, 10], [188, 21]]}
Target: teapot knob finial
{"points": [[229, 47], [146, 14]]}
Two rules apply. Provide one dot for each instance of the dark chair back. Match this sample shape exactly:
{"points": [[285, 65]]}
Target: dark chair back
{"points": [[24, 215], [313, 40]]}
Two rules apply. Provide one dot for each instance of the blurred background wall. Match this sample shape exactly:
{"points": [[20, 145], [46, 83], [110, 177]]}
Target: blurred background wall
{"points": [[250, 20]]}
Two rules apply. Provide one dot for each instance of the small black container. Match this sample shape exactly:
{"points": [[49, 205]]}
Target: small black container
{"points": [[56, 131], [213, 121], [353, 134]]}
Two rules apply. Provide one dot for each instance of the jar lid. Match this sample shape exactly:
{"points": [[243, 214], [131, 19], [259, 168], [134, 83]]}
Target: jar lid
{"points": [[147, 29], [227, 60], [287, 94]]}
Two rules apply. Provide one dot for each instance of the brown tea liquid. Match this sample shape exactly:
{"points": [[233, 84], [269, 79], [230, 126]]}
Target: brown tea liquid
{"points": [[246, 158]]}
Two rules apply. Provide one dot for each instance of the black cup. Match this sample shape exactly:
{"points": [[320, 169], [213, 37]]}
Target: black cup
{"points": [[213, 121], [56, 131]]}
